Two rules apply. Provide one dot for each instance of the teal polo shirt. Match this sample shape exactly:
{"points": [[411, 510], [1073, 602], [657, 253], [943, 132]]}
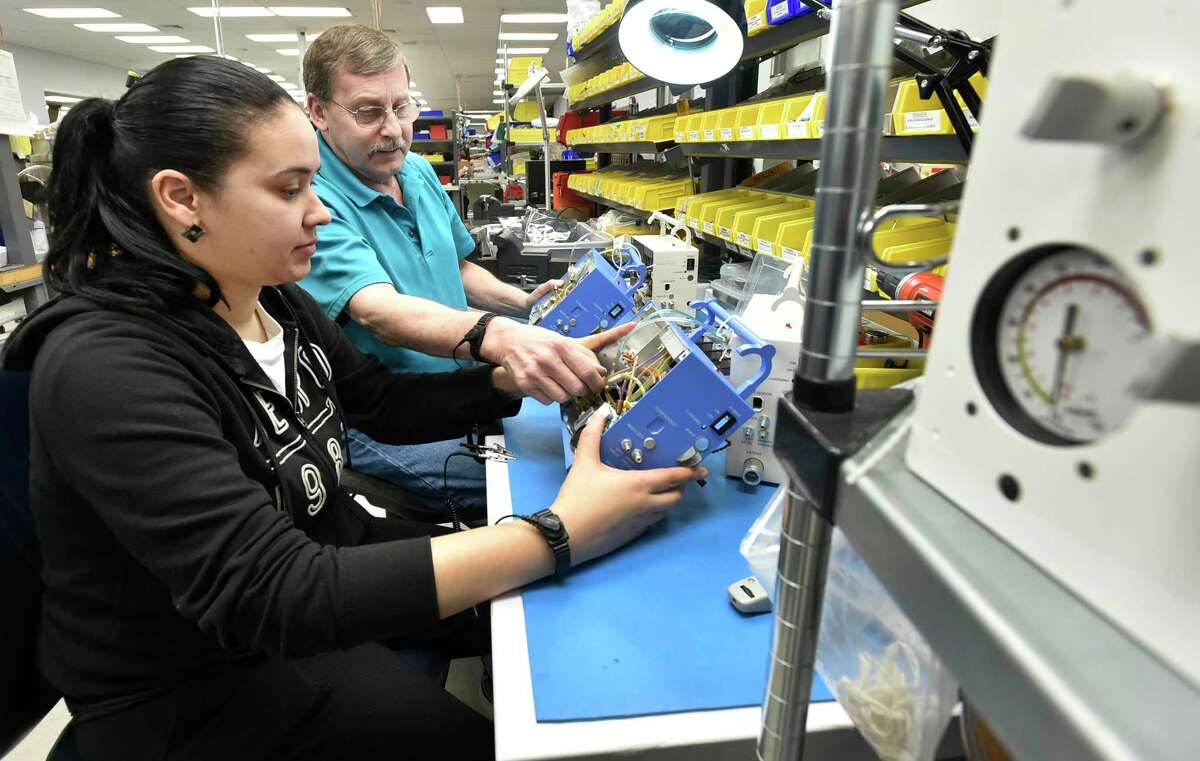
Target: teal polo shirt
{"points": [[372, 239]]}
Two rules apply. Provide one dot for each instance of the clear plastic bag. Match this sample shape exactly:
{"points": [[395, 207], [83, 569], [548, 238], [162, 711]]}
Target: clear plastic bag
{"points": [[882, 671], [760, 546]]}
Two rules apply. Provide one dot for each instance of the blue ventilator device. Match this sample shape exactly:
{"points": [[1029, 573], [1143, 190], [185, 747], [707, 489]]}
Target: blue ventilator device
{"points": [[595, 295], [665, 401]]}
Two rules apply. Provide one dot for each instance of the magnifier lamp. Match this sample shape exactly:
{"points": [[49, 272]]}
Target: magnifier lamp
{"points": [[680, 42]]}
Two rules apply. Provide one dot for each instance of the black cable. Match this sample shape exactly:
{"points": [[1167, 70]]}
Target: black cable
{"points": [[450, 501]]}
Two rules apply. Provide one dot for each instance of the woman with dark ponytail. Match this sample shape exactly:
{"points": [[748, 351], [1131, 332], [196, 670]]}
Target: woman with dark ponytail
{"points": [[210, 590]]}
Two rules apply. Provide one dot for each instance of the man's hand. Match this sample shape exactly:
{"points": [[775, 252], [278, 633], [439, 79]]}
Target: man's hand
{"points": [[539, 292], [545, 365]]}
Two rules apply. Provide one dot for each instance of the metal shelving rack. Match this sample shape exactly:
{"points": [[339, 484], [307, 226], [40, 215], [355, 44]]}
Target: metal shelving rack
{"points": [[930, 149], [22, 277]]}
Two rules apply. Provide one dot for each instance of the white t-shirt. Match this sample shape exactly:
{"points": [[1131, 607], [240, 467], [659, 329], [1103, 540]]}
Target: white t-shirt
{"points": [[270, 352]]}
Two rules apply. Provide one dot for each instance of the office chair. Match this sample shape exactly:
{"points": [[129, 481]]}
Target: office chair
{"points": [[25, 696]]}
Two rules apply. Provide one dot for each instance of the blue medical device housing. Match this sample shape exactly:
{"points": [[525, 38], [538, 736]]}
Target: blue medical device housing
{"points": [[666, 401], [595, 295]]}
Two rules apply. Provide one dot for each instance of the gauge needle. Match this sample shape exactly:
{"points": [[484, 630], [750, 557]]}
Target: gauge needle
{"points": [[1067, 344]]}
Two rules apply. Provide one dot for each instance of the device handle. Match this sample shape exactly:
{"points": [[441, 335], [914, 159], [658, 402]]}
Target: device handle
{"points": [[671, 226], [634, 265], [710, 314], [871, 223]]}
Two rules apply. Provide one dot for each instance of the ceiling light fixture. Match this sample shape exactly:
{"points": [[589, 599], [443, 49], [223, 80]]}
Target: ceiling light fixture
{"points": [[445, 14], [282, 37], [61, 99], [233, 11], [313, 12], [530, 36], [288, 51], [182, 49], [533, 18], [72, 12], [155, 39], [524, 51], [259, 69], [276, 78], [118, 28]]}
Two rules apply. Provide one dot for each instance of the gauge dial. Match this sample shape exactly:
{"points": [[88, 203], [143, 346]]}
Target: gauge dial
{"points": [[1067, 336]]}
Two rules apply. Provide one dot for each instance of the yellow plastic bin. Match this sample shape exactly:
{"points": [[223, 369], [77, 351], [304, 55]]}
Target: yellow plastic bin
{"points": [[661, 196], [699, 205], [770, 118], [727, 214], [710, 126], [820, 103], [727, 125], [792, 237], [798, 117], [766, 226], [912, 116], [756, 17], [659, 129], [710, 211], [747, 122]]}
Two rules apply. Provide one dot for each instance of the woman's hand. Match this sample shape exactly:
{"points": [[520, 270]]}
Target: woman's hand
{"points": [[604, 508]]}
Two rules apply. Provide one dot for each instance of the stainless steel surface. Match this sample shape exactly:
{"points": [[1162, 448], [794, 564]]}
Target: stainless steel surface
{"points": [[1055, 678], [866, 241], [803, 561], [858, 82], [895, 354], [541, 99]]}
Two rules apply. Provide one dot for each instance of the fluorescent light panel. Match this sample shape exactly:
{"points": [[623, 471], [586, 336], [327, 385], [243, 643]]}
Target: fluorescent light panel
{"points": [[283, 37], [155, 39], [182, 49], [61, 99], [524, 51], [288, 51], [530, 36], [72, 12], [533, 18], [233, 11], [118, 28], [259, 69], [276, 78], [314, 12], [445, 14]]}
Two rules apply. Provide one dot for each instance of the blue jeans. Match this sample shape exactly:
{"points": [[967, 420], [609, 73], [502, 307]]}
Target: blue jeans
{"points": [[418, 469]]}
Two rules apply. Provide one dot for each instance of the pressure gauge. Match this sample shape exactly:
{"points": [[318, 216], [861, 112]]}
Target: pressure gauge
{"points": [[1057, 338]]}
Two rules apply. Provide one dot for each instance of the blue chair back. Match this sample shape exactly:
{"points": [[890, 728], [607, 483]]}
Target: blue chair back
{"points": [[24, 695]]}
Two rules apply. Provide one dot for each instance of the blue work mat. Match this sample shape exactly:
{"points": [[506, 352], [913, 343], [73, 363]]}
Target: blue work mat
{"points": [[649, 628]]}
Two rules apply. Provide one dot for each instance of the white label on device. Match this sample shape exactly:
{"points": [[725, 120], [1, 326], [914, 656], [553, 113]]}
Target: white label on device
{"points": [[776, 11], [769, 131], [923, 121]]}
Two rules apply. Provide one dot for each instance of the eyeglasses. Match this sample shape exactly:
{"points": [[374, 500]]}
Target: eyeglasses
{"points": [[373, 116]]}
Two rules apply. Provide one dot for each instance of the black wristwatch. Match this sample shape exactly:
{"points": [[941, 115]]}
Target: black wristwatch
{"points": [[555, 534], [474, 337]]}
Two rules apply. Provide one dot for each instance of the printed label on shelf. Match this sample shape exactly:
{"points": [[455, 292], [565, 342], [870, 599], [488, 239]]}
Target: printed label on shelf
{"points": [[923, 121], [710, 135], [694, 136], [755, 22], [726, 133], [743, 239], [797, 129], [746, 133], [693, 223], [777, 11], [708, 227], [820, 129], [769, 131], [766, 247], [790, 253], [726, 232]]}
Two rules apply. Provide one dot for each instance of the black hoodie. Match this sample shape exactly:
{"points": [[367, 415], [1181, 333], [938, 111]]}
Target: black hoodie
{"points": [[190, 516]]}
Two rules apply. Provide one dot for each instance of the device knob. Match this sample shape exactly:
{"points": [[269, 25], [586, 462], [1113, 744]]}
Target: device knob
{"points": [[752, 471]]}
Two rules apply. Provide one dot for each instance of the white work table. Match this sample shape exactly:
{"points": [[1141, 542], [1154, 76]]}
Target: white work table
{"points": [[695, 736]]}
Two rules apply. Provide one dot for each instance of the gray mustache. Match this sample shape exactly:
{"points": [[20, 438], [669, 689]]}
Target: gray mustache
{"points": [[384, 147]]}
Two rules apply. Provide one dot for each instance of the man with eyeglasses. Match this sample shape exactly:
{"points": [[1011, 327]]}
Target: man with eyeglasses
{"points": [[391, 266]]}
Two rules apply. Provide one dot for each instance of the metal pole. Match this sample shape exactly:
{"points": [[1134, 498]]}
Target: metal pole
{"points": [[216, 6], [545, 144], [301, 47], [863, 33], [862, 37]]}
